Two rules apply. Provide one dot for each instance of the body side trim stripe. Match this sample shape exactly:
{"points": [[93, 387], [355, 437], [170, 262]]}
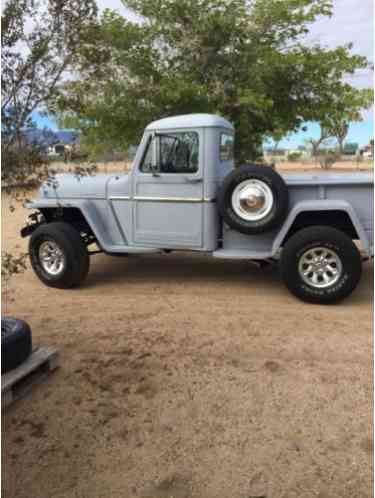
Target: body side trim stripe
{"points": [[161, 199]]}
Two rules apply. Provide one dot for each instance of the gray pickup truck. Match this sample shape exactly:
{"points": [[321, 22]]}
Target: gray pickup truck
{"points": [[184, 193]]}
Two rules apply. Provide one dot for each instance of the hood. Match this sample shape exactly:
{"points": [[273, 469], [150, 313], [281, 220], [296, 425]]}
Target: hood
{"points": [[72, 186]]}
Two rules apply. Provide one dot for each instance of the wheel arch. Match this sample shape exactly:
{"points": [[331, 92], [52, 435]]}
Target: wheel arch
{"points": [[78, 215], [71, 215], [337, 214]]}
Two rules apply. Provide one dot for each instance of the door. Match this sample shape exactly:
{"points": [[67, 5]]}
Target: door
{"points": [[168, 192]]}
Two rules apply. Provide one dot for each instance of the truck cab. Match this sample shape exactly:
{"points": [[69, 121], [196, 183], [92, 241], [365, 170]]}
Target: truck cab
{"points": [[168, 200], [185, 193]]}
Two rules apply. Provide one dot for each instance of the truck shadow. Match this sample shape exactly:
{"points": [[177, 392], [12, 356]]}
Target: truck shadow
{"points": [[182, 269], [175, 268]]}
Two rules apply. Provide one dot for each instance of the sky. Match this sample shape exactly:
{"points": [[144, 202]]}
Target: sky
{"points": [[352, 21]]}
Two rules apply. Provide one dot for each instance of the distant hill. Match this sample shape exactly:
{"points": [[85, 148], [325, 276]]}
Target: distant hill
{"points": [[47, 138]]}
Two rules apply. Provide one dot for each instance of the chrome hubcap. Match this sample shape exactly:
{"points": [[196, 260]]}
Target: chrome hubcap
{"points": [[320, 267], [51, 257], [252, 200]]}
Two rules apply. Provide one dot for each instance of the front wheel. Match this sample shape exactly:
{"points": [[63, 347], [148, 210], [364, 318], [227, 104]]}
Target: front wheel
{"points": [[320, 265], [58, 255]]}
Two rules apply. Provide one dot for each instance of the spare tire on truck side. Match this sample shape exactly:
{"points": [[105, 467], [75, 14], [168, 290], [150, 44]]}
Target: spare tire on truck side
{"points": [[253, 199], [15, 343]]}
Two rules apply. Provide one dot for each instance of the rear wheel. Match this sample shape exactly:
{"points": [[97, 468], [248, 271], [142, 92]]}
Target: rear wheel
{"points": [[58, 255], [320, 265]]}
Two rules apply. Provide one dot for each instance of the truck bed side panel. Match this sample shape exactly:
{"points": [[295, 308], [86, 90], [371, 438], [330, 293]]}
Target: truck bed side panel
{"points": [[353, 197]]}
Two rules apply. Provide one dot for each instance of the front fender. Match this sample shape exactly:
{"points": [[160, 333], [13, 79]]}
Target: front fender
{"points": [[321, 205], [97, 213]]}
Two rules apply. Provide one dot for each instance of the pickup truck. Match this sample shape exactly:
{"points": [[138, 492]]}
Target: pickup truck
{"points": [[184, 193]]}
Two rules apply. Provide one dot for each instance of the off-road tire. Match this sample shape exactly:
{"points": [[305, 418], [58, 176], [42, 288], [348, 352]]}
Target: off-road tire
{"points": [[77, 260], [16, 343], [279, 190], [327, 237]]}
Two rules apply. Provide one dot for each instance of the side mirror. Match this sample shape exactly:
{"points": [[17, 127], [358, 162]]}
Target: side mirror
{"points": [[154, 168]]}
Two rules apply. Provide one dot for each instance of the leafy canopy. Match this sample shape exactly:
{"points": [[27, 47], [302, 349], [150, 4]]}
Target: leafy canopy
{"points": [[39, 41], [244, 59]]}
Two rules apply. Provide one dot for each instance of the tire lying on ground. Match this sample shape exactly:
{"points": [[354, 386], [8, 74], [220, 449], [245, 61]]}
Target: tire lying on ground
{"points": [[58, 255], [320, 264], [253, 199], [16, 343]]}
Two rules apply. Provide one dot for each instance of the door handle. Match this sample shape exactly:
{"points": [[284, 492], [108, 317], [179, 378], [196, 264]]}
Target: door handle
{"points": [[193, 179]]}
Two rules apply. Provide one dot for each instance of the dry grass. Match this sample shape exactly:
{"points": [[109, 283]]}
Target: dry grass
{"points": [[123, 166], [341, 166]]}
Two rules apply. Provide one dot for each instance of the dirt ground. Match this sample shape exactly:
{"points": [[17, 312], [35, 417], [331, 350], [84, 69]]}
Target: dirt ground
{"points": [[184, 376]]}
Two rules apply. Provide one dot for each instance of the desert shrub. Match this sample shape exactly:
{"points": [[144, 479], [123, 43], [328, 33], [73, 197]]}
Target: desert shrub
{"points": [[328, 159], [294, 156]]}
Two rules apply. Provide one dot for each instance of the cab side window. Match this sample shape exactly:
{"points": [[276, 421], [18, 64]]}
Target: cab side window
{"points": [[178, 152], [226, 147], [146, 163]]}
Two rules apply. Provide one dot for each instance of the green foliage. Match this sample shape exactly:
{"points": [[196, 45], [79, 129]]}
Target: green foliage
{"points": [[39, 42], [294, 156], [243, 60], [35, 59], [346, 108], [335, 120]]}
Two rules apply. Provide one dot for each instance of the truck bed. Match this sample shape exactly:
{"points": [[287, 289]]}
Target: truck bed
{"points": [[310, 191], [360, 178]]}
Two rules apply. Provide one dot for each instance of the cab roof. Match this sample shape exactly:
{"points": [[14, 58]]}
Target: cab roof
{"points": [[190, 121]]}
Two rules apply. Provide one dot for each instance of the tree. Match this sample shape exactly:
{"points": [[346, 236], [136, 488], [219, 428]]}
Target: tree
{"points": [[347, 109], [316, 143], [276, 137], [335, 121], [244, 60], [340, 131], [39, 43]]}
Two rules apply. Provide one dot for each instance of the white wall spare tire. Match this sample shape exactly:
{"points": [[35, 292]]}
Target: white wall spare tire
{"points": [[253, 199]]}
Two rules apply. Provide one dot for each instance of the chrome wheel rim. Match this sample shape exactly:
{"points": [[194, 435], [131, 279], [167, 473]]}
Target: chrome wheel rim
{"points": [[51, 257], [252, 200], [320, 267]]}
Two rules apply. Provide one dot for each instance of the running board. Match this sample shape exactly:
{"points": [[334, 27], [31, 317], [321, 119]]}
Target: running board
{"points": [[241, 254], [132, 249]]}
